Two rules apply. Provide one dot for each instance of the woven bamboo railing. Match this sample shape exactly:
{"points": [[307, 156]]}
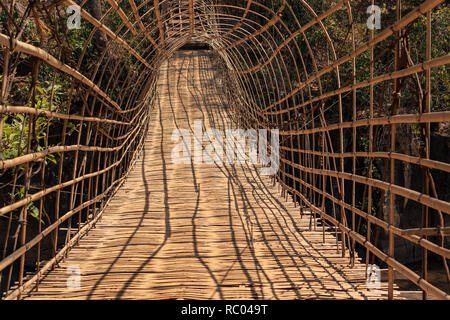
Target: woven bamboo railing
{"points": [[75, 145]]}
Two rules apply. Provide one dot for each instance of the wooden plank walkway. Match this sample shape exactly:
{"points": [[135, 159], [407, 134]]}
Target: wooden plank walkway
{"points": [[202, 231]]}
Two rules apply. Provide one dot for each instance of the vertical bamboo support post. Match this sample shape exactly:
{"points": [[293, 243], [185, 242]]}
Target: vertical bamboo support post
{"points": [[24, 212], [354, 137], [94, 190], [23, 220], [42, 200], [314, 176], [74, 175], [58, 193], [324, 184], [395, 105], [191, 20], [342, 180], [3, 92], [5, 78], [369, 170], [425, 210]]}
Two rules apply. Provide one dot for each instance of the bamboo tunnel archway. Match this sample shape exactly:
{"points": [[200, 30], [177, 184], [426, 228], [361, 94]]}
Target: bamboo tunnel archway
{"points": [[75, 105]]}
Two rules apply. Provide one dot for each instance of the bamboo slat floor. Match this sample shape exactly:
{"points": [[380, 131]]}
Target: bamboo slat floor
{"points": [[202, 231]]}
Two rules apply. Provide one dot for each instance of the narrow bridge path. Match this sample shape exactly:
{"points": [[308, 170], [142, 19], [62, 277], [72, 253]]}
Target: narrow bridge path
{"points": [[202, 231]]}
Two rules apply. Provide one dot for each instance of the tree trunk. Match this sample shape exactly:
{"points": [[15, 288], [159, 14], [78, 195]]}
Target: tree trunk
{"points": [[95, 9]]}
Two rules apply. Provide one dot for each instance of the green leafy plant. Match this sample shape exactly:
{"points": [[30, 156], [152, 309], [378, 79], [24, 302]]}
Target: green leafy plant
{"points": [[31, 208]]}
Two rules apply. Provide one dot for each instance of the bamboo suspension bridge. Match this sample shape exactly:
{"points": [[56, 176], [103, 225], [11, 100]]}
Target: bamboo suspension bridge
{"points": [[90, 190]]}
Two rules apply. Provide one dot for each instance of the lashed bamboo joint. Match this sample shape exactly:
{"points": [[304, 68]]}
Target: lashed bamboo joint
{"points": [[86, 122]]}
